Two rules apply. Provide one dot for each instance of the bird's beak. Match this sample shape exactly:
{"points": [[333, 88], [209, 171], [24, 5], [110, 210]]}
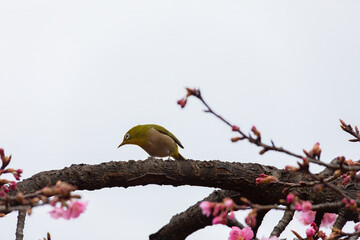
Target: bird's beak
{"points": [[123, 143]]}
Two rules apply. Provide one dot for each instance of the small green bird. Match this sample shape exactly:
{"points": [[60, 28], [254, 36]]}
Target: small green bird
{"points": [[155, 140]]}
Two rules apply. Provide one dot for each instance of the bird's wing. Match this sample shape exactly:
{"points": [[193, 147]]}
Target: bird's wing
{"points": [[164, 131]]}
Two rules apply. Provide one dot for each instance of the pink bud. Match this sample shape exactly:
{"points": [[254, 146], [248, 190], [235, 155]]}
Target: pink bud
{"points": [[291, 168], [218, 208], [13, 185], [231, 215], [5, 188], [229, 203], [250, 220], [235, 128], [356, 227], [221, 219], [182, 102], [192, 91], [290, 198], [265, 179], [310, 232]]}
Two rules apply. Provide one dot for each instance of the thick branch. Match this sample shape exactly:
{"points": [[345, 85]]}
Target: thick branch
{"points": [[230, 176], [238, 177]]}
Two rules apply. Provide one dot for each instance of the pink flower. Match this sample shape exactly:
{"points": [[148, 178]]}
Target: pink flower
{"points": [[328, 219], [306, 206], [307, 217], [241, 234], [57, 212], [310, 232], [235, 233], [298, 206], [206, 208], [229, 203], [74, 209]]}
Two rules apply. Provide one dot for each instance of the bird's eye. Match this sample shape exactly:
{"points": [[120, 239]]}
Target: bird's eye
{"points": [[127, 136]]}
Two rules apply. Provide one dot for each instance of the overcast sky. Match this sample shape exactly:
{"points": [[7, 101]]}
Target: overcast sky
{"points": [[76, 75]]}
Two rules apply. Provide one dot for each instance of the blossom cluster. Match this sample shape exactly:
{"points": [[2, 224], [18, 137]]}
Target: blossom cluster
{"points": [[220, 211], [307, 216], [73, 209], [245, 234], [59, 193], [69, 208], [241, 234], [190, 91], [7, 185]]}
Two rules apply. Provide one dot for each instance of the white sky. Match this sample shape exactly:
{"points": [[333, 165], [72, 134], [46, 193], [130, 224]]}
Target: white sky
{"points": [[76, 75]]}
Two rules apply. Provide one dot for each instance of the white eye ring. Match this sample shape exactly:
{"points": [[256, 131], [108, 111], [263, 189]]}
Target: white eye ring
{"points": [[127, 136]]}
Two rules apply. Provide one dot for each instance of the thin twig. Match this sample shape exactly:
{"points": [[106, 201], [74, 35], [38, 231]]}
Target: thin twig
{"points": [[20, 225], [283, 223], [348, 128]]}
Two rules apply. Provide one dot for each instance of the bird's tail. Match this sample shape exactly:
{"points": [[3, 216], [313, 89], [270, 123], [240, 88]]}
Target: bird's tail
{"points": [[178, 156]]}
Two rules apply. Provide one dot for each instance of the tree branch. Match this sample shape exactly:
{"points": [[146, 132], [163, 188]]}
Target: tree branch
{"points": [[20, 225], [191, 220], [283, 223], [236, 178]]}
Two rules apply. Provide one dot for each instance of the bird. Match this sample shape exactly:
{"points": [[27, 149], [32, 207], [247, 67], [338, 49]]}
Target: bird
{"points": [[155, 140]]}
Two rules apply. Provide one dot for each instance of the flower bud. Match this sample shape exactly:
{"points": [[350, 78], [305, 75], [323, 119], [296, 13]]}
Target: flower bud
{"points": [[235, 128]]}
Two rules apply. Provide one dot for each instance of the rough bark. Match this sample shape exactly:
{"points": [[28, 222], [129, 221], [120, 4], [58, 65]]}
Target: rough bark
{"points": [[235, 178]]}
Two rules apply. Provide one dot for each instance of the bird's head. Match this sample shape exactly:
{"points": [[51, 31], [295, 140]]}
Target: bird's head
{"points": [[136, 135]]}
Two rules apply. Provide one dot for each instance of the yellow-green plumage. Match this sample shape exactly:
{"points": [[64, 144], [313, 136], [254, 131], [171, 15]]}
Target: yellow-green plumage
{"points": [[155, 140]]}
